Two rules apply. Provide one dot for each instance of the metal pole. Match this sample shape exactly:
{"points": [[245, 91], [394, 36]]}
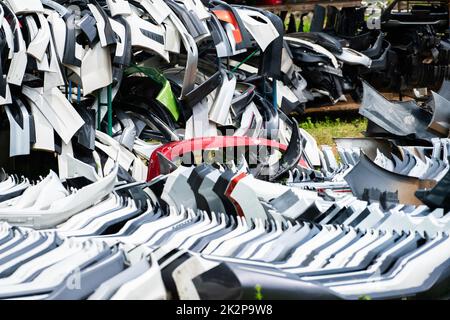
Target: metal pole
{"points": [[110, 111]]}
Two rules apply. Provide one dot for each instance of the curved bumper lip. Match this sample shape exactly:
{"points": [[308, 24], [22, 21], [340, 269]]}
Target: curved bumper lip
{"points": [[352, 57], [402, 119], [378, 177], [441, 115], [178, 148], [316, 48], [30, 6], [62, 11]]}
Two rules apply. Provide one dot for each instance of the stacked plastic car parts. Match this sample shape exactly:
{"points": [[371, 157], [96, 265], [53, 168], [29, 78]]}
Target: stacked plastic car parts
{"points": [[140, 242], [162, 71], [172, 148], [139, 71], [405, 41], [328, 58], [124, 247]]}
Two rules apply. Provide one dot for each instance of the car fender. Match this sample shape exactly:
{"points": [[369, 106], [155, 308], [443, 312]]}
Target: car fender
{"points": [[114, 150], [120, 31], [129, 132], [58, 111], [173, 39], [237, 33], [315, 47], [312, 152], [54, 77], [20, 59], [70, 46], [9, 37], [104, 28], [38, 46], [60, 9], [192, 56], [19, 133], [264, 33], [45, 138], [147, 36], [96, 72], [119, 7], [251, 116], [25, 6], [7, 99], [199, 8], [220, 38], [190, 20], [158, 9], [220, 109], [58, 27]]}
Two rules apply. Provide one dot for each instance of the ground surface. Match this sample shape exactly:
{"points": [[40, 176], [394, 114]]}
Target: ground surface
{"points": [[325, 128]]}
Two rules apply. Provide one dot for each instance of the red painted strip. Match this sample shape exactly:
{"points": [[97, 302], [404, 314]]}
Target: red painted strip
{"points": [[230, 189]]}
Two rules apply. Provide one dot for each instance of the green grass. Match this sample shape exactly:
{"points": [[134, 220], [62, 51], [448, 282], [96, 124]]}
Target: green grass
{"points": [[326, 129], [306, 23]]}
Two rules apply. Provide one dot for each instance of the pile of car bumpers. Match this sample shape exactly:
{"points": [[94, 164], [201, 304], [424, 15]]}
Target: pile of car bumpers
{"points": [[396, 46], [177, 171]]}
